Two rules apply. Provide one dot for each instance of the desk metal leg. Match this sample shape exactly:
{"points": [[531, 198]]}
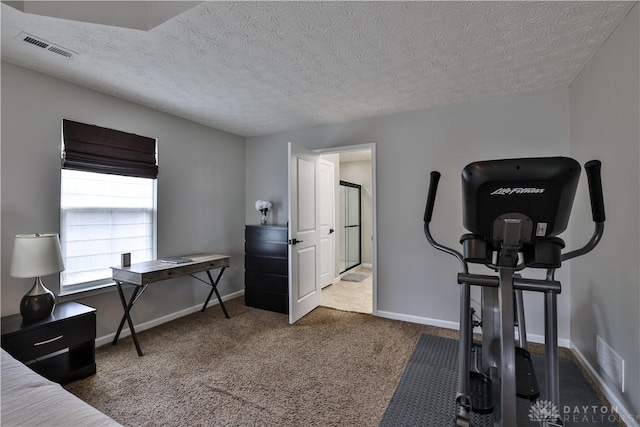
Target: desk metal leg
{"points": [[124, 317], [127, 308], [214, 288]]}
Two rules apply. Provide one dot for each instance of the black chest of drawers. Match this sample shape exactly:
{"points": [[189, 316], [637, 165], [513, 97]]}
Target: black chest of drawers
{"points": [[266, 268]]}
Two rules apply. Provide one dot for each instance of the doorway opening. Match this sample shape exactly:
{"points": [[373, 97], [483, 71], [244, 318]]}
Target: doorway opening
{"points": [[353, 287]]}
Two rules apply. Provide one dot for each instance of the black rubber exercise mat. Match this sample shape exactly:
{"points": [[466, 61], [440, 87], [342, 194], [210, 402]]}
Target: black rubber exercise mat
{"points": [[426, 391]]}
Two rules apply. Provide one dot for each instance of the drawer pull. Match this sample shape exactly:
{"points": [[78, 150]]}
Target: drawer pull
{"points": [[48, 341]]}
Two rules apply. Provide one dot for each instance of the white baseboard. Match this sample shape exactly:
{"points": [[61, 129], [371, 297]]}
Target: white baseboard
{"points": [[562, 342], [106, 339], [629, 419], [455, 325], [417, 319]]}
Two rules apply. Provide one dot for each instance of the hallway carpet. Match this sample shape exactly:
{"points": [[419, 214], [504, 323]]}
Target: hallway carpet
{"points": [[350, 296]]}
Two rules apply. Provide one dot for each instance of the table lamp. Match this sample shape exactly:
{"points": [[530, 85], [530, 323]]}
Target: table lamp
{"points": [[36, 255]]}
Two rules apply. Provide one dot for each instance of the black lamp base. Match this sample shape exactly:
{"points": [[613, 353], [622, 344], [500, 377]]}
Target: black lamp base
{"points": [[38, 303]]}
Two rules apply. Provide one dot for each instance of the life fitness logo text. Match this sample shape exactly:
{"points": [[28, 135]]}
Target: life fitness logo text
{"points": [[507, 191]]}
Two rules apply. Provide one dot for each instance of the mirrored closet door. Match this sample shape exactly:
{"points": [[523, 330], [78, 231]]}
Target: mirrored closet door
{"points": [[350, 238]]}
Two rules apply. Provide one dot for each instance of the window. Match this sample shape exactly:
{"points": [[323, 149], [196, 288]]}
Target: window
{"points": [[107, 202], [103, 216]]}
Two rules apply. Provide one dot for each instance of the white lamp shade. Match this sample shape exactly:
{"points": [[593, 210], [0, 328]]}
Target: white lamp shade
{"points": [[36, 255]]}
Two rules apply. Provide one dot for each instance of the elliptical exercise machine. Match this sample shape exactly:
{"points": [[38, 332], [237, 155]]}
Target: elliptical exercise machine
{"points": [[514, 209]]}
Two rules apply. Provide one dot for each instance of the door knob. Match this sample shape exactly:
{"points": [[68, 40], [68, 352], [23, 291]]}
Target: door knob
{"points": [[295, 241], [331, 230]]}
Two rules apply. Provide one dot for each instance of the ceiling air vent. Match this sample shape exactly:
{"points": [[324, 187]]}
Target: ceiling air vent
{"points": [[36, 41]]}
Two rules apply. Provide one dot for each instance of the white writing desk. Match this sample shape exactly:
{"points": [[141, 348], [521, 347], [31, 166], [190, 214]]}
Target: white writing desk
{"points": [[144, 273]]}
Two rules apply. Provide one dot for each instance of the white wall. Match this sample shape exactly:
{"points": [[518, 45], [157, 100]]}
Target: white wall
{"points": [[200, 187], [414, 279], [605, 116]]}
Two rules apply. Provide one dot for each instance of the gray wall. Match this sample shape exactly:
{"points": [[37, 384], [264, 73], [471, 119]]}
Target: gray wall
{"points": [[416, 282], [605, 112], [200, 187]]}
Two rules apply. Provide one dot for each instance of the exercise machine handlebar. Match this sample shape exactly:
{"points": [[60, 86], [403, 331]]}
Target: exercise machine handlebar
{"points": [[428, 211], [592, 168], [431, 196]]}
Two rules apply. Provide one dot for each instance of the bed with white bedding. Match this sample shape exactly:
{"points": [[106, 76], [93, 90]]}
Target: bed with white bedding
{"points": [[30, 400]]}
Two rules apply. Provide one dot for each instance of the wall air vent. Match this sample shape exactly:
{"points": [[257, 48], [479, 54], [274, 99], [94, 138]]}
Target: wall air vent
{"points": [[37, 41]]}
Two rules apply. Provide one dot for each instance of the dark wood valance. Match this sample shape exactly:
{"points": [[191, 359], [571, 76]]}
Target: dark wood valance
{"points": [[92, 148]]}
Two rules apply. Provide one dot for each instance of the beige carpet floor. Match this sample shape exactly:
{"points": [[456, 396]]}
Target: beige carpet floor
{"points": [[331, 368]]}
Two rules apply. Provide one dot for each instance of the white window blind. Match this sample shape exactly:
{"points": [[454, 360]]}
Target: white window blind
{"points": [[103, 216]]}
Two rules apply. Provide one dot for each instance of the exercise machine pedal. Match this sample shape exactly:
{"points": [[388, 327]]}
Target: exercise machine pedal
{"points": [[480, 393], [463, 406], [462, 421], [526, 381]]}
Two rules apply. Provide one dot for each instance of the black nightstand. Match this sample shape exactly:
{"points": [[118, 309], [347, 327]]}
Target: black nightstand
{"points": [[60, 347]]}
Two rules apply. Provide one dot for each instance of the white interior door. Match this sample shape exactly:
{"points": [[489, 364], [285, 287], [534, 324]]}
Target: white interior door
{"points": [[305, 291], [327, 222]]}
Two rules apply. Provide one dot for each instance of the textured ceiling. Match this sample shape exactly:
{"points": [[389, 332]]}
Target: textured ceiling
{"points": [[254, 68]]}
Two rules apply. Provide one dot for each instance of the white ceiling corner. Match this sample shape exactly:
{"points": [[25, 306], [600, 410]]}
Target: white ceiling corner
{"points": [[254, 68], [139, 15]]}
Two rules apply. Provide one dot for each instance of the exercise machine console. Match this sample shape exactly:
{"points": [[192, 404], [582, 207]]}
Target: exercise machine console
{"points": [[514, 209]]}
